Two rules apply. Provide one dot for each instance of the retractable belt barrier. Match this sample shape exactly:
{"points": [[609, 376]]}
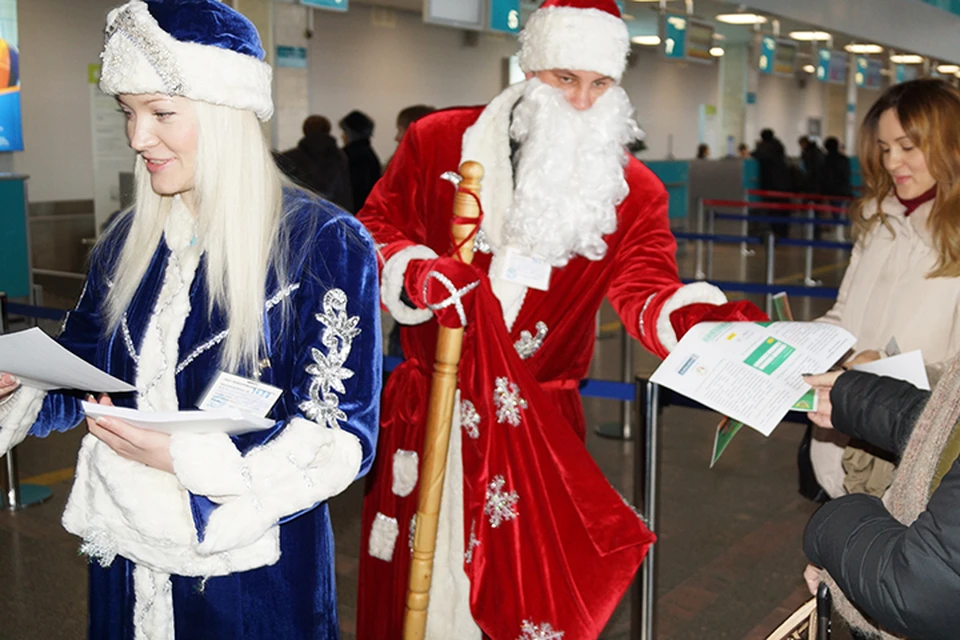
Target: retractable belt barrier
{"points": [[816, 197]]}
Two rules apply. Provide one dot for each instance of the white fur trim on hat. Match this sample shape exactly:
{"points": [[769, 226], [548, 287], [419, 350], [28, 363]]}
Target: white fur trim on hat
{"points": [[688, 294], [575, 39], [139, 57]]}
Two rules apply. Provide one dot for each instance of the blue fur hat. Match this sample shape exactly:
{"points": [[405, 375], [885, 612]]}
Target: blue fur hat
{"points": [[198, 49]]}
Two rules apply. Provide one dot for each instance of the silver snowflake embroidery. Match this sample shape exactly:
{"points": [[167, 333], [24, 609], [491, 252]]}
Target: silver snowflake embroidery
{"points": [[412, 534], [472, 544], [506, 397], [501, 506], [529, 344], [470, 419], [543, 631], [327, 369]]}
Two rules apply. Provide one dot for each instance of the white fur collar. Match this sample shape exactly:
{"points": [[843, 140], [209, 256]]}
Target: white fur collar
{"points": [[488, 142]]}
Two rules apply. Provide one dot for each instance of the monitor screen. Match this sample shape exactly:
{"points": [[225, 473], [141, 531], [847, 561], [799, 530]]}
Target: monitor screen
{"points": [[11, 130], [785, 58], [699, 40]]}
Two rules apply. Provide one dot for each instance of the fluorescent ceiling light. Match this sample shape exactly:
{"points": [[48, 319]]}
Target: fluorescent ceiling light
{"points": [[647, 41], [741, 18], [906, 58], [863, 48], [947, 69], [716, 52], [809, 36], [809, 68]]}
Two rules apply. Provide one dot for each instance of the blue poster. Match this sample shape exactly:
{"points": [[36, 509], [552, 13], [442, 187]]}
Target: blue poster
{"points": [[768, 51], [11, 130], [675, 36], [505, 16]]}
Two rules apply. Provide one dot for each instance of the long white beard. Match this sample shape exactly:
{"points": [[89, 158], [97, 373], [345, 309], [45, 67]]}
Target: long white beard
{"points": [[569, 178]]}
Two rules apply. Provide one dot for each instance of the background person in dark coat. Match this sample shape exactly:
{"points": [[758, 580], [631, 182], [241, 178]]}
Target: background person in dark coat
{"points": [[836, 170], [316, 163], [812, 158], [774, 174], [365, 168]]}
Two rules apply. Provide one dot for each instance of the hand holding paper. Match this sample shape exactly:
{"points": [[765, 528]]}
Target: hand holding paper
{"points": [[151, 448], [751, 371]]}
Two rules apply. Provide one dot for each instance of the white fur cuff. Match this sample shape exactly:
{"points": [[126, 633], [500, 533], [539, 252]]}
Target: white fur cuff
{"points": [[17, 415], [575, 39], [688, 294], [406, 469], [383, 537], [305, 465], [391, 284]]}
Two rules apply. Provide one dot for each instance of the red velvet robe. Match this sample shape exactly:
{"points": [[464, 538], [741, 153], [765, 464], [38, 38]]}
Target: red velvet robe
{"points": [[411, 205]]}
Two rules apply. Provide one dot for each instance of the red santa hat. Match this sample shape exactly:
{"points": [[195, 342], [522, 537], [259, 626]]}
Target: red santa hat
{"points": [[579, 35]]}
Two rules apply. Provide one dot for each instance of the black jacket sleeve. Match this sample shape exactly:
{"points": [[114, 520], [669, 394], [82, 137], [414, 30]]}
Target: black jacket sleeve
{"points": [[905, 578], [879, 410]]}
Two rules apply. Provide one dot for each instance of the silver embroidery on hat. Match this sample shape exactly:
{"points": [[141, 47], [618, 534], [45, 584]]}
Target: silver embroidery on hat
{"points": [[156, 55]]}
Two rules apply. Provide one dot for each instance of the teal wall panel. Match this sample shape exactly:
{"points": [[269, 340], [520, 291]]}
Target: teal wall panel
{"points": [[14, 254], [675, 175]]}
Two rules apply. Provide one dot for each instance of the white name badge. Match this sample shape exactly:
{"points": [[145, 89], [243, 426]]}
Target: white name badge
{"points": [[525, 269], [233, 392]]}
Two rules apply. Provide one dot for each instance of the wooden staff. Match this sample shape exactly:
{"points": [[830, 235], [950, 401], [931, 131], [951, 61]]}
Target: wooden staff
{"points": [[439, 418]]}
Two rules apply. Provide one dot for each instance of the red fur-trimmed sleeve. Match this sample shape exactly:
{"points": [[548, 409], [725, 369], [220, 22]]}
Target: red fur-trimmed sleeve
{"points": [[646, 287]]}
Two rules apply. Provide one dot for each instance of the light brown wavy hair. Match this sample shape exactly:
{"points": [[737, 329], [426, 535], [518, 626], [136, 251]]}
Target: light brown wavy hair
{"points": [[929, 112]]}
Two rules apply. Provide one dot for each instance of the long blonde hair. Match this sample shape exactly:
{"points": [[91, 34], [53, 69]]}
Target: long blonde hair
{"points": [[929, 112], [239, 205]]}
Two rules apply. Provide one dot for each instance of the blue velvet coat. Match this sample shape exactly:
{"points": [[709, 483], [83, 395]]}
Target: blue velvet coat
{"points": [[296, 597]]}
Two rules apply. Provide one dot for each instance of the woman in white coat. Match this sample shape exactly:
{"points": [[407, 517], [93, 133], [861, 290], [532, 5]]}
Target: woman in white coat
{"points": [[902, 280]]}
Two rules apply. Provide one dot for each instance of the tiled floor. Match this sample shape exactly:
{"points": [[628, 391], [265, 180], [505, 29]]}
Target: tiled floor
{"points": [[729, 537]]}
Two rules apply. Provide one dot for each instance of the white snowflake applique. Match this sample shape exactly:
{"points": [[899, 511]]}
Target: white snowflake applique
{"points": [[543, 631], [327, 369], [501, 506], [506, 397], [470, 419]]}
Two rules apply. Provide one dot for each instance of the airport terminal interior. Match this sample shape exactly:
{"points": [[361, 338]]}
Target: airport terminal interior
{"points": [[704, 77]]}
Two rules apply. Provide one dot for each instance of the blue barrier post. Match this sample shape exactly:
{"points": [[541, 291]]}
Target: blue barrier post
{"points": [[808, 258], [14, 495], [645, 497]]}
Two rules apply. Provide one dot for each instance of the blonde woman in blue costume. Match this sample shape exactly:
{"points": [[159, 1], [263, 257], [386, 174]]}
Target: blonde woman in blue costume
{"points": [[218, 267]]}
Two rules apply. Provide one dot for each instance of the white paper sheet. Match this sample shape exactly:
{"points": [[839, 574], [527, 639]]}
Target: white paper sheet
{"points": [[40, 362], [228, 421], [906, 366], [751, 371]]}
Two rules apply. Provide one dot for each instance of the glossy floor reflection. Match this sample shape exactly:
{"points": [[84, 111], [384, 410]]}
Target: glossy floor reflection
{"points": [[729, 537]]}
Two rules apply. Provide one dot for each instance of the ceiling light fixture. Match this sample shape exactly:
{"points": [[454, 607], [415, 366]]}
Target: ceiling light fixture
{"points": [[646, 41], [741, 18], [863, 48], [716, 52], [906, 58], [809, 68], [809, 36], [948, 69]]}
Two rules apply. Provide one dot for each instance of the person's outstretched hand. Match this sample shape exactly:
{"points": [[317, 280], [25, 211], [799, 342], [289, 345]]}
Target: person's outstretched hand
{"points": [[823, 384], [684, 318], [8, 384]]}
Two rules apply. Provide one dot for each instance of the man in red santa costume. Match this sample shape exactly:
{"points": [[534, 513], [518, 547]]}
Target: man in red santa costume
{"points": [[569, 217]]}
